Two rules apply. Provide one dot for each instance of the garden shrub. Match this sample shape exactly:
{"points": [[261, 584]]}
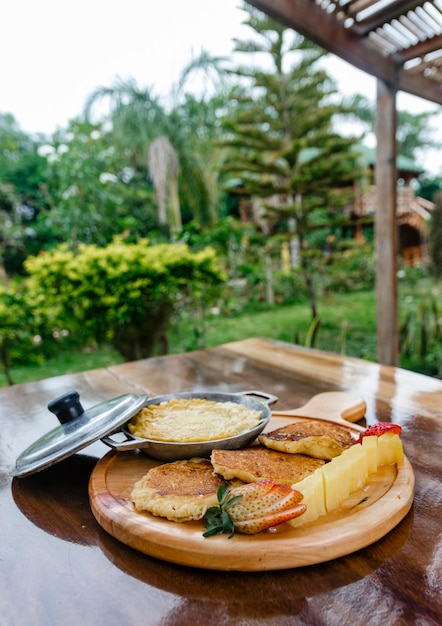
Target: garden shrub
{"points": [[350, 269], [25, 335], [123, 293], [420, 336]]}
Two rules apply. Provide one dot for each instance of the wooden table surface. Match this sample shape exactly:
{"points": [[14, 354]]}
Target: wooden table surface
{"points": [[58, 566]]}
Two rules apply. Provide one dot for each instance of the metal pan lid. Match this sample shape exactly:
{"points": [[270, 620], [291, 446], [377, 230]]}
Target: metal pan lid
{"points": [[77, 429]]}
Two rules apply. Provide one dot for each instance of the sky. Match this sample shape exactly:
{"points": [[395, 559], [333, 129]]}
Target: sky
{"points": [[55, 53]]}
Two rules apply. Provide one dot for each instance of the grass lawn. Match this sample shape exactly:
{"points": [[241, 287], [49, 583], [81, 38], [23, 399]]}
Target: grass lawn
{"points": [[65, 363], [347, 326]]}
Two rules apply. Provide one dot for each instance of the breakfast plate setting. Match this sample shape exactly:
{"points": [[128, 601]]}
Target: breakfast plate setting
{"points": [[363, 518], [356, 518]]}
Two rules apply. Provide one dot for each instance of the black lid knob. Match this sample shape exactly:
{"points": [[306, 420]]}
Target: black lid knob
{"points": [[66, 407]]}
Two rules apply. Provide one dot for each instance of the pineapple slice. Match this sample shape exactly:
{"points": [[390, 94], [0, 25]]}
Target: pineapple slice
{"points": [[370, 447], [327, 488], [336, 483], [312, 488], [354, 464], [390, 449]]}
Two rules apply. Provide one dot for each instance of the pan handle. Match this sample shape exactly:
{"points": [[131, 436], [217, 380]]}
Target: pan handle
{"points": [[120, 446], [268, 398]]}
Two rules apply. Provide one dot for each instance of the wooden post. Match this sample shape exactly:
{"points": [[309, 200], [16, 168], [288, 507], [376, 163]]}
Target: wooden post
{"points": [[385, 225]]}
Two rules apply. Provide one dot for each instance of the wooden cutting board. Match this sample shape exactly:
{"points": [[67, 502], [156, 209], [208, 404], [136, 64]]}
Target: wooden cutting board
{"points": [[365, 517]]}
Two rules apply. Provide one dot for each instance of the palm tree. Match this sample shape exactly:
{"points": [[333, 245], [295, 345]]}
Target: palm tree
{"points": [[181, 134]]}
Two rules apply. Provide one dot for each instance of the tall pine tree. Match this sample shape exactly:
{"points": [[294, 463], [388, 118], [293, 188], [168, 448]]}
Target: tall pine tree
{"points": [[282, 141]]}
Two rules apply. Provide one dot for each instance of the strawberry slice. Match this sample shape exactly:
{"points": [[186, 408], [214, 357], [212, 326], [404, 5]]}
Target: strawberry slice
{"points": [[263, 505], [258, 524], [380, 429]]}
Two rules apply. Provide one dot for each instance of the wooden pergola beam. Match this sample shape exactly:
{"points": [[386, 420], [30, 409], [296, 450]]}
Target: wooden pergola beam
{"points": [[310, 20]]}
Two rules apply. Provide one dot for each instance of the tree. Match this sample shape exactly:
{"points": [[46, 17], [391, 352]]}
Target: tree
{"points": [[428, 187], [283, 146], [92, 190], [21, 194], [186, 123]]}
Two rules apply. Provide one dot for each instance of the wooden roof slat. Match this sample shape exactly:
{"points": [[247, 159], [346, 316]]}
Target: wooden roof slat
{"points": [[385, 15], [395, 36], [420, 21], [386, 35], [411, 38], [384, 43], [433, 24], [436, 15], [405, 21]]}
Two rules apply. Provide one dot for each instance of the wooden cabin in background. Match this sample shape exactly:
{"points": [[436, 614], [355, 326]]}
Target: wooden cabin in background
{"points": [[413, 213]]}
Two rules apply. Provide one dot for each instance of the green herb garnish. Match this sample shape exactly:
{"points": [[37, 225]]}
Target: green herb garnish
{"points": [[217, 520]]}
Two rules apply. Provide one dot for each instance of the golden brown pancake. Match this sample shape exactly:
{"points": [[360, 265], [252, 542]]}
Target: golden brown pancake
{"points": [[180, 491], [317, 439], [257, 462]]}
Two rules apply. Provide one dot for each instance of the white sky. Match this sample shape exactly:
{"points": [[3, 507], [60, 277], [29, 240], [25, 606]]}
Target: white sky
{"points": [[54, 53]]}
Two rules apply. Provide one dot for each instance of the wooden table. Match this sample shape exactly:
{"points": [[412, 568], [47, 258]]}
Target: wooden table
{"points": [[58, 566]]}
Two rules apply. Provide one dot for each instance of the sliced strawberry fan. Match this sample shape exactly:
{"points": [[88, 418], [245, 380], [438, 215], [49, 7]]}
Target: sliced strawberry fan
{"points": [[252, 508]]}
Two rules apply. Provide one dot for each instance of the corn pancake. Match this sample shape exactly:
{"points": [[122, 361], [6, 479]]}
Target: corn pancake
{"points": [[180, 491], [317, 439], [193, 420], [257, 462]]}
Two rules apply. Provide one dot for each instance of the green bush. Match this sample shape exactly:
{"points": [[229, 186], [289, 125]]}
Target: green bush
{"points": [[124, 294], [348, 269], [413, 275], [24, 329]]}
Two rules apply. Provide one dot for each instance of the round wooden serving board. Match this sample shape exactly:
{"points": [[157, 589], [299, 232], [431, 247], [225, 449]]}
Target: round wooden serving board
{"points": [[363, 519]]}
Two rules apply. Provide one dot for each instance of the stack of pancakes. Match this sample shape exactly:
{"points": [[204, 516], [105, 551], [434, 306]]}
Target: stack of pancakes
{"points": [[184, 490]]}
